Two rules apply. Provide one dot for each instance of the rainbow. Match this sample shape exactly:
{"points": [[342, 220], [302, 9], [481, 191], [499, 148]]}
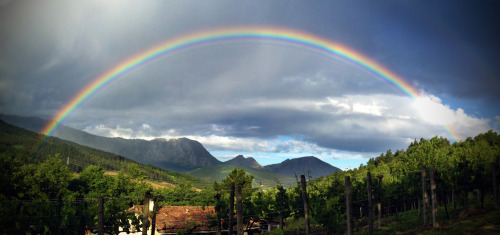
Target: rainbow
{"points": [[453, 133], [266, 34]]}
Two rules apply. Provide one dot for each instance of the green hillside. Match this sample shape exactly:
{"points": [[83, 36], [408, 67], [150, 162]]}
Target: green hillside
{"points": [[220, 172], [30, 147]]}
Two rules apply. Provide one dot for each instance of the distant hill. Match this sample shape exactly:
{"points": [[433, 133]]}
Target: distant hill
{"points": [[301, 166], [175, 154], [241, 161], [220, 172], [29, 148]]}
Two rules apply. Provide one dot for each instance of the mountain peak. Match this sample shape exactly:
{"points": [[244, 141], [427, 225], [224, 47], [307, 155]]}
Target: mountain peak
{"points": [[303, 165], [240, 160], [181, 154], [239, 157]]}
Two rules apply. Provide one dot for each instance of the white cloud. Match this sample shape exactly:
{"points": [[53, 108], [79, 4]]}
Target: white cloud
{"points": [[103, 130], [351, 124], [237, 97]]}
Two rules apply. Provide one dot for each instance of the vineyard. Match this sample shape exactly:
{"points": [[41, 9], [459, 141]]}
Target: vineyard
{"points": [[426, 186]]}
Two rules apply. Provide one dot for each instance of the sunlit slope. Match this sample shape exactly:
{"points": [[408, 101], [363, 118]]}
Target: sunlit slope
{"points": [[220, 172], [28, 147]]}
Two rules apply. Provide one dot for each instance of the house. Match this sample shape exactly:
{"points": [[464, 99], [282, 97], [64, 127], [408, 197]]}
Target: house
{"points": [[173, 219], [190, 219]]}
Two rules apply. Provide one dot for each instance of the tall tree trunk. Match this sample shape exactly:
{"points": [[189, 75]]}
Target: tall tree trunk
{"points": [[305, 198], [434, 198], [370, 203], [100, 216], [239, 209], [231, 209], [145, 218], [495, 185], [217, 211], [348, 205], [153, 219], [425, 199]]}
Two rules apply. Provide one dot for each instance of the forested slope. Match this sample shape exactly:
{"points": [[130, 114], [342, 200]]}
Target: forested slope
{"points": [[46, 197], [29, 147]]}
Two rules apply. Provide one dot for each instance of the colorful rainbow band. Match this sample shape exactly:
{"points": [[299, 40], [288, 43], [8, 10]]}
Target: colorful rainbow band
{"points": [[265, 34]]}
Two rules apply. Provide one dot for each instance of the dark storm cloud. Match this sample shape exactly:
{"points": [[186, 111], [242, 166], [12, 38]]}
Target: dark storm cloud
{"points": [[250, 90]]}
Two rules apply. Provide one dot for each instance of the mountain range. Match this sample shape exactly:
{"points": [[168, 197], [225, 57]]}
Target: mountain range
{"points": [[312, 166], [27, 147], [246, 162], [176, 154], [180, 154]]}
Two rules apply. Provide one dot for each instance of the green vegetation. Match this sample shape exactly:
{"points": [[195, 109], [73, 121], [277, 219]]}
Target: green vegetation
{"points": [[32, 148], [219, 172], [40, 192]]}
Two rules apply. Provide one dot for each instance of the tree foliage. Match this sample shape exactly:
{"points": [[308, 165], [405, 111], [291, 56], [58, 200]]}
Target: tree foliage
{"points": [[44, 192]]}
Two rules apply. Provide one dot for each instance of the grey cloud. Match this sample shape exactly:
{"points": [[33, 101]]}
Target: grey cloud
{"points": [[233, 90]]}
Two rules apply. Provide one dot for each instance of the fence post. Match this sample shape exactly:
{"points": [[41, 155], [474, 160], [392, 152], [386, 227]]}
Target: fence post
{"points": [[466, 188], [100, 216], [231, 209], [305, 198], [281, 204], [153, 220], [379, 201], [348, 205], [434, 198], [370, 203], [145, 214], [425, 199], [495, 186], [217, 211], [239, 209]]}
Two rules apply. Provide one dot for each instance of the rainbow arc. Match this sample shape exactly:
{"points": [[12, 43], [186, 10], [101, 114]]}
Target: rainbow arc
{"points": [[261, 34]]}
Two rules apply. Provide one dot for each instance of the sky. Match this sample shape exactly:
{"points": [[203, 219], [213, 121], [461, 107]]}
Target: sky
{"points": [[266, 100]]}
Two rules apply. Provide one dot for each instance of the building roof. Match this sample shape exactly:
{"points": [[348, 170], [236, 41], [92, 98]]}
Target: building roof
{"points": [[170, 219], [174, 218]]}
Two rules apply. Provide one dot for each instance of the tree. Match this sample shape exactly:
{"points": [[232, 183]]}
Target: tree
{"points": [[241, 181]]}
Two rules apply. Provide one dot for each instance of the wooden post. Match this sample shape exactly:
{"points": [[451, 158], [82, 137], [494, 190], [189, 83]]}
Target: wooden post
{"points": [[434, 198], [153, 220], [231, 209], [466, 188], [100, 216], [305, 198], [379, 201], [348, 205], [425, 199], [495, 186], [217, 211], [281, 191], [239, 209], [145, 214], [370, 202]]}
